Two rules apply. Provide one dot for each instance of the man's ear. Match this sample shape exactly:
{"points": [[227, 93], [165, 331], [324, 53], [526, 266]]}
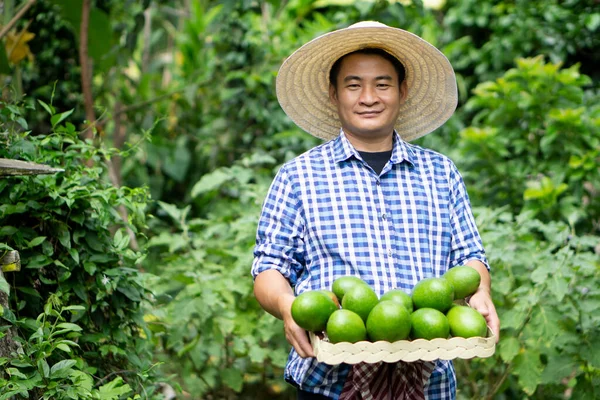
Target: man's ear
{"points": [[333, 94], [403, 91]]}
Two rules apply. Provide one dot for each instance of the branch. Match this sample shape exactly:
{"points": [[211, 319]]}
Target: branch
{"points": [[17, 17], [86, 68], [126, 109], [114, 171], [123, 371]]}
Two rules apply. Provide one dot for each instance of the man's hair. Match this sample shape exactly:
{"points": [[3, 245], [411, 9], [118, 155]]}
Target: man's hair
{"points": [[335, 69]]}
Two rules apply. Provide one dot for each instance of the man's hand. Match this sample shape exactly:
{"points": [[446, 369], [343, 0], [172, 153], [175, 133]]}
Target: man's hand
{"points": [[275, 295], [294, 334], [481, 300]]}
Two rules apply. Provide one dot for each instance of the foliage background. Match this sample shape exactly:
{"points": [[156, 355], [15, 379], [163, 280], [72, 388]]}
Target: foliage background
{"points": [[187, 139]]}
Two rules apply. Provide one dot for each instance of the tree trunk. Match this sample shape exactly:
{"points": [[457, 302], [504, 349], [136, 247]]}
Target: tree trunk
{"points": [[7, 345]]}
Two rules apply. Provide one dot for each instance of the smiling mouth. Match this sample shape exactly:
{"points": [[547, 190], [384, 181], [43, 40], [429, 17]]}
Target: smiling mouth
{"points": [[369, 113]]}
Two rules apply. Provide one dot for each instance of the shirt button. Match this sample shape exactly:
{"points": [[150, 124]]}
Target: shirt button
{"points": [[390, 253], [383, 216], [378, 183]]}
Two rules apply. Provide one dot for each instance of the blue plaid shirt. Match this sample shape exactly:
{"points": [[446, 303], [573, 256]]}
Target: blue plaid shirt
{"points": [[328, 214]]}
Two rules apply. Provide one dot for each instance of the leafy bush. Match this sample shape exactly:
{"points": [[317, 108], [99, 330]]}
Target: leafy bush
{"points": [[210, 330], [535, 144], [485, 37], [545, 286], [79, 300], [43, 365]]}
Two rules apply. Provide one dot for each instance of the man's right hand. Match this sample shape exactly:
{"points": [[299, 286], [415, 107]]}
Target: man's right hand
{"points": [[276, 296], [294, 334]]}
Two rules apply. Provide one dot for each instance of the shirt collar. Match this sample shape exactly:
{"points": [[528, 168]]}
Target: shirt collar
{"points": [[343, 150]]}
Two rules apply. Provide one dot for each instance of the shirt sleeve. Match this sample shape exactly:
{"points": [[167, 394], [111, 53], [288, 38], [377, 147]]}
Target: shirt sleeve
{"points": [[466, 242], [279, 237]]}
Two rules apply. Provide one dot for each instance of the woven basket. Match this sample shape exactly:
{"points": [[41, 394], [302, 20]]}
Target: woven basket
{"points": [[402, 350]]}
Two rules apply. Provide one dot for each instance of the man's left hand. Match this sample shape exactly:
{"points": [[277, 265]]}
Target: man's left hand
{"points": [[481, 300]]}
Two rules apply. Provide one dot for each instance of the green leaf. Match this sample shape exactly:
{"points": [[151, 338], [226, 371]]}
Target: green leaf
{"points": [[559, 286], [121, 241], [508, 348], [8, 315], [44, 368], [131, 293], [557, 368], [21, 363], [211, 181], [513, 318], [257, 354], [528, 367], [73, 308], [47, 107], [64, 236], [15, 372], [591, 353], [74, 254], [62, 368], [90, 267], [233, 379], [114, 389], [58, 118], [29, 291], [592, 21], [8, 230], [69, 326], [36, 242], [4, 287], [64, 347]]}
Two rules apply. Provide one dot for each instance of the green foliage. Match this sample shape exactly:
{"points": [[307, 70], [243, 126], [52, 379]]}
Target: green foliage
{"points": [[489, 35], [200, 77], [76, 254], [545, 284], [209, 328], [44, 363], [534, 144]]}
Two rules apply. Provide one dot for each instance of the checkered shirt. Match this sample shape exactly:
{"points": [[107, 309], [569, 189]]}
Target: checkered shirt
{"points": [[328, 214]]}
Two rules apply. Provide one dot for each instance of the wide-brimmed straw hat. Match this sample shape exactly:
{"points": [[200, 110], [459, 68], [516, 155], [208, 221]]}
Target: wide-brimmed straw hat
{"points": [[303, 80]]}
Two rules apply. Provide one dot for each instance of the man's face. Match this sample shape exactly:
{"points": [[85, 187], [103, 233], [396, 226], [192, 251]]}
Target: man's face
{"points": [[368, 96]]}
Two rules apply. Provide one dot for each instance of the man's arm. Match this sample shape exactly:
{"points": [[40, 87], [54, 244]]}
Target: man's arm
{"points": [[481, 300], [275, 295]]}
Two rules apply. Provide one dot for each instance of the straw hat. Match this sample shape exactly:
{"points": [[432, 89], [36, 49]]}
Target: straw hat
{"points": [[303, 80]]}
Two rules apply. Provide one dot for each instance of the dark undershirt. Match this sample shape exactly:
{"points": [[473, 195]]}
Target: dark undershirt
{"points": [[376, 160]]}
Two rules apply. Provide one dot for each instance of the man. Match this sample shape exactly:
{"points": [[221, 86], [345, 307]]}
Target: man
{"points": [[365, 203]]}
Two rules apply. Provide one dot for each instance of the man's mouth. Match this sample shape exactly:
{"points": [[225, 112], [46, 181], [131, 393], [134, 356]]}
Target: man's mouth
{"points": [[369, 113]]}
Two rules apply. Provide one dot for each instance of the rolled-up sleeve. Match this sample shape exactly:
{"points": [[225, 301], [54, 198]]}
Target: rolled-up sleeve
{"points": [[466, 242], [279, 237]]}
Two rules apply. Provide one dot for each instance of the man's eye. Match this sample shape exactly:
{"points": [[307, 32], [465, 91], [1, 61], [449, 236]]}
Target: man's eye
{"points": [[383, 86], [353, 86]]}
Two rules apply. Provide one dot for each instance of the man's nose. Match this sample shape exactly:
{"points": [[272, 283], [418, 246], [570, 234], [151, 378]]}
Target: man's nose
{"points": [[368, 96]]}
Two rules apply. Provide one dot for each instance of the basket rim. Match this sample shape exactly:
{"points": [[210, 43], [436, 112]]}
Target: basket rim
{"points": [[403, 350]]}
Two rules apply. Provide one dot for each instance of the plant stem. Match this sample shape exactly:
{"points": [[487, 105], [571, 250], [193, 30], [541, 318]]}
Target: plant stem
{"points": [[86, 68], [9, 7], [499, 382]]}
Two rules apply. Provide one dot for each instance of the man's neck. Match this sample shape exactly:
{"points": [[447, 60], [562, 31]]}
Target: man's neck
{"points": [[371, 145]]}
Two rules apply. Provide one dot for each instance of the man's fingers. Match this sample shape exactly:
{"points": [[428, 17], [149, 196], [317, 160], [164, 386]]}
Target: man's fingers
{"points": [[298, 338], [302, 346]]}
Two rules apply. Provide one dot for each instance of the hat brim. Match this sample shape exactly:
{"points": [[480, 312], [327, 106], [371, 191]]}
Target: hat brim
{"points": [[302, 83]]}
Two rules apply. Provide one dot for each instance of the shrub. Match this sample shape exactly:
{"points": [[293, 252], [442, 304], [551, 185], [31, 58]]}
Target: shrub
{"points": [[78, 301]]}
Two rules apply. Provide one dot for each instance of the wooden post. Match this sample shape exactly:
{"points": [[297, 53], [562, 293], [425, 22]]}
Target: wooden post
{"points": [[10, 262], [16, 167]]}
